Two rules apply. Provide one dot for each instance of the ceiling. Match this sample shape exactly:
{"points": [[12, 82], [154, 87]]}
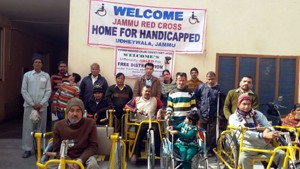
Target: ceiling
{"points": [[49, 18]]}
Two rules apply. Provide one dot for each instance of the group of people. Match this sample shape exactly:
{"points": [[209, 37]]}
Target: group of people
{"points": [[185, 102]]}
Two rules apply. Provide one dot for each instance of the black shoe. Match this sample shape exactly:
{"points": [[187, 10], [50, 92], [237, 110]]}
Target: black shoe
{"points": [[26, 154]]}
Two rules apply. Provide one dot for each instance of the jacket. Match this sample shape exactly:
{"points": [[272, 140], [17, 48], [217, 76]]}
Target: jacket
{"points": [[207, 100], [141, 82]]}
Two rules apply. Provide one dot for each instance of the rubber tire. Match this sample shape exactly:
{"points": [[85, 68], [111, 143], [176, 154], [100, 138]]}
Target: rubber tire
{"points": [[165, 159], [199, 161], [151, 149], [229, 144]]}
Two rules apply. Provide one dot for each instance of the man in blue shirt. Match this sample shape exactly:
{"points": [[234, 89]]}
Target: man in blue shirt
{"points": [[36, 90]]}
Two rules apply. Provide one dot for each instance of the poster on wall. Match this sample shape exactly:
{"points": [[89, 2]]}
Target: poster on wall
{"points": [[131, 61], [114, 24]]}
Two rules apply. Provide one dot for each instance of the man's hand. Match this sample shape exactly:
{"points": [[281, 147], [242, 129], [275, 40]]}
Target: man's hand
{"points": [[95, 117], [74, 166], [158, 115], [54, 109], [173, 132], [168, 116], [142, 112], [269, 135], [37, 107]]}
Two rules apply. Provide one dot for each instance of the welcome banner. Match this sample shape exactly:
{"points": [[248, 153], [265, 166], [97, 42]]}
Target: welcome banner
{"points": [[114, 24]]}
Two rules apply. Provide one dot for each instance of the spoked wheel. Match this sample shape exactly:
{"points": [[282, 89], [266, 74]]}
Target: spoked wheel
{"points": [[200, 161], [151, 150], [165, 155], [228, 149], [120, 156], [295, 165]]}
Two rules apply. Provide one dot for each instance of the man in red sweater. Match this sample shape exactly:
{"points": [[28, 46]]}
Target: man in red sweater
{"points": [[82, 130]]}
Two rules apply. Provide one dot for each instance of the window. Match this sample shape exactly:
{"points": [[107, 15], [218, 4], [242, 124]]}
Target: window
{"points": [[1, 52], [273, 76]]}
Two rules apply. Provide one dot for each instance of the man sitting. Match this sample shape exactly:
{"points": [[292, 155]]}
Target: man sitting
{"points": [[98, 105], [247, 117], [82, 130], [144, 107]]}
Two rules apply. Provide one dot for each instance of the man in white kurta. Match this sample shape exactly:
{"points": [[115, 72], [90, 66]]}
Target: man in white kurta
{"points": [[36, 90]]}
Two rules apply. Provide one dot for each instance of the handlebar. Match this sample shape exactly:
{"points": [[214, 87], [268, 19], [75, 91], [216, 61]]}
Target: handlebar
{"points": [[246, 128]]}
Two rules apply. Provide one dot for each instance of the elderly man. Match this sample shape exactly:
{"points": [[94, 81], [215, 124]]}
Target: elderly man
{"points": [[248, 117], [88, 83], [145, 106], [82, 130], [36, 90], [232, 96]]}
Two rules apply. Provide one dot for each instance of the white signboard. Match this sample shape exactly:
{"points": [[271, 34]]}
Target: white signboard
{"points": [[132, 61], [114, 24]]}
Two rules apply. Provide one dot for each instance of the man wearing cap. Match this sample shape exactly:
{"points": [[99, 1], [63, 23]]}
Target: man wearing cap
{"points": [[82, 131], [98, 105], [36, 90], [246, 116]]}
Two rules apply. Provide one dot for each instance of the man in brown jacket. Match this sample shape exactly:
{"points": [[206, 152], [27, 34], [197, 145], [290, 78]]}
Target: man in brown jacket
{"points": [[147, 80], [82, 130]]}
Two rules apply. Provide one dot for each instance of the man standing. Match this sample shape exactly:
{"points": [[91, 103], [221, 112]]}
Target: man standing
{"points": [[59, 78], [144, 106], [36, 90], [207, 97], [247, 117], [120, 94], [88, 83], [148, 80], [56, 81], [233, 95], [84, 133], [180, 101], [194, 82]]}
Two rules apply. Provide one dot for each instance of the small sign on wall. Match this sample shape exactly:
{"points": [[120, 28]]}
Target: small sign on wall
{"points": [[131, 61]]}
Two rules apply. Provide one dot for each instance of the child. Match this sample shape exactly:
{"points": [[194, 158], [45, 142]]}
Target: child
{"points": [[98, 105], [187, 138], [66, 91]]}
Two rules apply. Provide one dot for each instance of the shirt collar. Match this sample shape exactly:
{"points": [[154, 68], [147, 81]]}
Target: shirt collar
{"points": [[239, 90], [122, 86]]}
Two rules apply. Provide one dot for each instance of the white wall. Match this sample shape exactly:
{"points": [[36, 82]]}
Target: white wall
{"points": [[268, 27]]}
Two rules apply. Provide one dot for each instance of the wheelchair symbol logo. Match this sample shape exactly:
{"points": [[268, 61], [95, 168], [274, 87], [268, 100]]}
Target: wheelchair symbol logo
{"points": [[193, 19], [101, 11]]}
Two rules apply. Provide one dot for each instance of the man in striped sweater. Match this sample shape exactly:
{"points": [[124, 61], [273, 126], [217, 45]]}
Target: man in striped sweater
{"points": [[180, 101], [59, 78], [66, 91]]}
